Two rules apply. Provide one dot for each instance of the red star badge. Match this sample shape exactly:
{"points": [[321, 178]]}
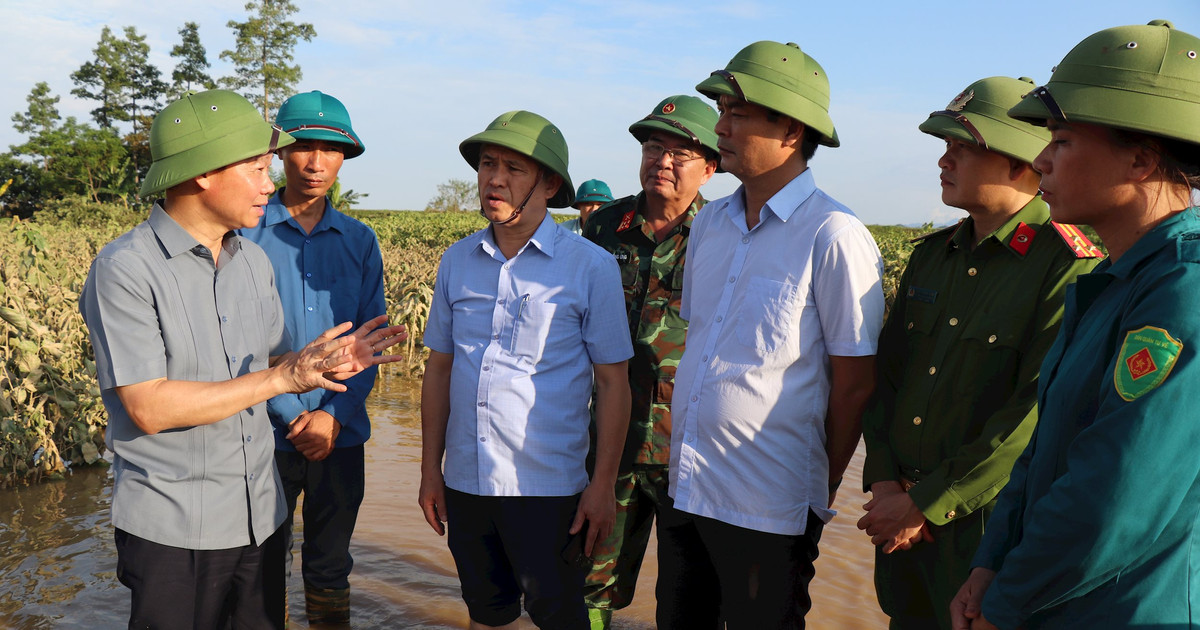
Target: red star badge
{"points": [[1141, 364], [668, 108]]}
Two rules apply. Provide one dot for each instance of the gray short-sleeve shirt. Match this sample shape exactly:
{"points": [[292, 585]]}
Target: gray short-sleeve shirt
{"points": [[156, 306]]}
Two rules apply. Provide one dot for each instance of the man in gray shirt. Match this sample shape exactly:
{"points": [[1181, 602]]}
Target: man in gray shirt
{"points": [[184, 318]]}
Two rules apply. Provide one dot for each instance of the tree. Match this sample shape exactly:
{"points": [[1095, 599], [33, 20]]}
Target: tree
{"points": [[128, 87], [344, 200], [104, 79], [263, 57], [455, 195], [193, 59], [38, 121]]}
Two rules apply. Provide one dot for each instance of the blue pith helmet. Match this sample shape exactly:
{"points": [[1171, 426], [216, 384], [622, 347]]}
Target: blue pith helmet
{"points": [[318, 116], [593, 190]]}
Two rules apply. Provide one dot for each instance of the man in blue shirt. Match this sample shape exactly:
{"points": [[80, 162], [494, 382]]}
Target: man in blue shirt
{"points": [[525, 314], [328, 269]]}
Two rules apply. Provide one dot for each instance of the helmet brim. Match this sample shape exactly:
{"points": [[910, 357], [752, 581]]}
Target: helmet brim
{"points": [[775, 98], [1002, 138], [249, 141], [529, 147], [352, 146], [1153, 114]]}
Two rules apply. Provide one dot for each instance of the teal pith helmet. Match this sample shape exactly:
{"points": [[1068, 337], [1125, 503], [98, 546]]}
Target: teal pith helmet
{"points": [[531, 136], [979, 115], [1139, 78], [205, 131], [593, 190], [685, 116], [779, 77], [317, 116]]}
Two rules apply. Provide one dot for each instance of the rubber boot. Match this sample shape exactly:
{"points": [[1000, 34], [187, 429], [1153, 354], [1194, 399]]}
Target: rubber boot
{"points": [[327, 605], [600, 618]]}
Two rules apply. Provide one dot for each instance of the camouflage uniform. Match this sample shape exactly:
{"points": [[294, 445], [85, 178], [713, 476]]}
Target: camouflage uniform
{"points": [[652, 276]]}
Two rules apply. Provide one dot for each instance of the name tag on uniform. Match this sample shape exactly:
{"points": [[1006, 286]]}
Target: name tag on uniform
{"points": [[928, 296], [622, 256]]}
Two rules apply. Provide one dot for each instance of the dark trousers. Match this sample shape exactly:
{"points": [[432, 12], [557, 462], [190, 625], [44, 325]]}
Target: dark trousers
{"points": [[713, 575], [333, 492], [175, 588], [509, 547]]}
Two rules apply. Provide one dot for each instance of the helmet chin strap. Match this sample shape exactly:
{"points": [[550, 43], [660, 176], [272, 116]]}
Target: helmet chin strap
{"points": [[516, 213]]}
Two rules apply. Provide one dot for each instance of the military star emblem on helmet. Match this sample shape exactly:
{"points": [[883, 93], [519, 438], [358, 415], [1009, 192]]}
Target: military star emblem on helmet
{"points": [[668, 108], [960, 101]]}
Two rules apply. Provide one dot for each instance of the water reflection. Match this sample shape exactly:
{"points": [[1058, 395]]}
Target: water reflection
{"points": [[57, 559]]}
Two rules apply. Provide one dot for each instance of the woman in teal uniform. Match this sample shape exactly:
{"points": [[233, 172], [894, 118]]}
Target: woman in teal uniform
{"points": [[1099, 525]]}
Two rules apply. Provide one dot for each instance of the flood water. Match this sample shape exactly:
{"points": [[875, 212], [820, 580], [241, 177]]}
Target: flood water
{"points": [[57, 561]]}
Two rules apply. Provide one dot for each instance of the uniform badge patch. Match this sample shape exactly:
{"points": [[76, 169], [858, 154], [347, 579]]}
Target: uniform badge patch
{"points": [[668, 108], [1022, 238], [960, 101], [626, 221], [1146, 359]]}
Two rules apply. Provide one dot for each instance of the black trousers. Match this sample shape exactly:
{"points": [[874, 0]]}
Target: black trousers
{"points": [[333, 492], [175, 588], [711, 573]]}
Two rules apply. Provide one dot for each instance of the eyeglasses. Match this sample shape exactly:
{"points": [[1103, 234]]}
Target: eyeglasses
{"points": [[654, 151]]}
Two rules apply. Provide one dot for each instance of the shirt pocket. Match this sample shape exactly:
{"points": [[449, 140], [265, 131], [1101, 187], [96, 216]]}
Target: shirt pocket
{"points": [[766, 314], [532, 329]]}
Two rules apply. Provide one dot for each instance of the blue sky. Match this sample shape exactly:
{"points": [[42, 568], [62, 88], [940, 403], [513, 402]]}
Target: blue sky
{"points": [[419, 77]]}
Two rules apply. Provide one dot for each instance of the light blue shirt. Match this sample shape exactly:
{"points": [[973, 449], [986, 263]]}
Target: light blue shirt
{"points": [[331, 276], [524, 333], [767, 307]]}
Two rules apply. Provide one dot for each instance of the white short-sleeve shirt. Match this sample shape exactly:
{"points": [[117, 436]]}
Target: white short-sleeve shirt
{"points": [[766, 307]]}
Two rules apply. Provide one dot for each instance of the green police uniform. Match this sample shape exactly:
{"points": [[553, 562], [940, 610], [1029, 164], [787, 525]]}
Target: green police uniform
{"points": [[652, 275], [958, 365]]}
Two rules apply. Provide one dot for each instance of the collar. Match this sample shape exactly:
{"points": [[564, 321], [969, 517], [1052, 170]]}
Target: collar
{"points": [[542, 239], [1165, 234], [782, 204], [176, 240], [1015, 234], [637, 217], [275, 212]]}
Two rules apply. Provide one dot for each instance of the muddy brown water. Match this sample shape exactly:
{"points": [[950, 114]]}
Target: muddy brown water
{"points": [[57, 560]]}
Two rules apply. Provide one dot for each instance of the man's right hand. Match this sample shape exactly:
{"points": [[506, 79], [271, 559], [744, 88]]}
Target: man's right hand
{"points": [[432, 500], [332, 357], [966, 609]]}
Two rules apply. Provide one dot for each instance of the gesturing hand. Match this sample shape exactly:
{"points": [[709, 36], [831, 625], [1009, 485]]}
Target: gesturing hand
{"points": [[331, 357]]}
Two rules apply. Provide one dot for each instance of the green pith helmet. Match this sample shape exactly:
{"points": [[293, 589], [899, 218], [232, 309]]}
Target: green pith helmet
{"points": [[593, 190], [779, 77], [685, 116], [979, 115], [317, 116], [531, 136], [1140, 78], [203, 132]]}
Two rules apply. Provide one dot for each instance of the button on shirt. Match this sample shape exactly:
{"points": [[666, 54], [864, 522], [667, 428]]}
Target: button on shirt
{"points": [[331, 276], [766, 307], [156, 306], [524, 333]]}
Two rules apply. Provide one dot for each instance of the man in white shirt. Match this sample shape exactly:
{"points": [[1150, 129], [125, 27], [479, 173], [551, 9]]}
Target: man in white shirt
{"points": [[784, 299]]}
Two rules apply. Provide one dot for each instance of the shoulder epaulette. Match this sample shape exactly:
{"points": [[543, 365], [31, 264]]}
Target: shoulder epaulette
{"points": [[948, 231], [1077, 241]]}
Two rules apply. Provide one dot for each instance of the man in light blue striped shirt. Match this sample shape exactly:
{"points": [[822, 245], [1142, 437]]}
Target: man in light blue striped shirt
{"points": [[525, 317]]}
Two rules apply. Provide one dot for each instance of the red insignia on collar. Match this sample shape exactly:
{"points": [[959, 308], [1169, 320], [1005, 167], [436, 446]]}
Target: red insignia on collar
{"points": [[1080, 244], [1022, 238], [626, 220], [668, 108]]}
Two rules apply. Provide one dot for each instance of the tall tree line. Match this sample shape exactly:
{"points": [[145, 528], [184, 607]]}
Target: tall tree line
{"points": [[106, 162]]}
